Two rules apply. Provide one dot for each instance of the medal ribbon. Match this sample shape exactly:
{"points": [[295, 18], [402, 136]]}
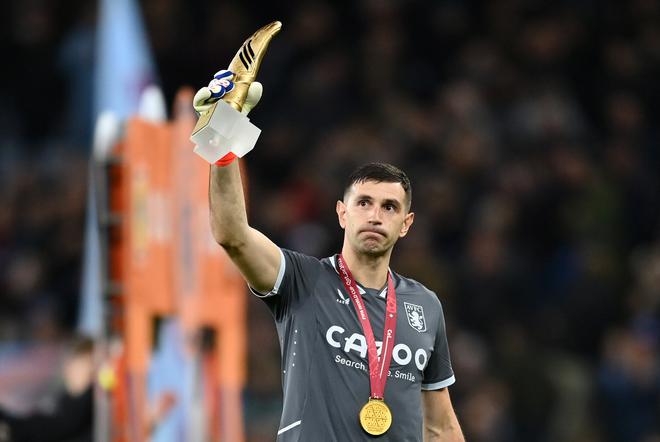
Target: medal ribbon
{"points": [[378, 367]]}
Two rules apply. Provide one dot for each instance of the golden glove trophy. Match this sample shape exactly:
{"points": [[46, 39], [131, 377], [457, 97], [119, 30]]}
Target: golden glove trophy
{"points": [[221, 129]]}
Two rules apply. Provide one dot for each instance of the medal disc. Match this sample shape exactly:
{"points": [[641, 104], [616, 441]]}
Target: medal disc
{"points": [[375, 417]]}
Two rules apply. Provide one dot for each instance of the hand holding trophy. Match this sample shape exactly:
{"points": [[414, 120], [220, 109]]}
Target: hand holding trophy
{"points": [[223, 131]]}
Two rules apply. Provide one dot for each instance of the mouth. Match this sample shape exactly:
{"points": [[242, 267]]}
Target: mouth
{"points": [[373, 231]]}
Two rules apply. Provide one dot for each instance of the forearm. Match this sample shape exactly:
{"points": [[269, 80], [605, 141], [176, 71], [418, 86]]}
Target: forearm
{"points": [[227, 206], [450, 432], [440, 421]]}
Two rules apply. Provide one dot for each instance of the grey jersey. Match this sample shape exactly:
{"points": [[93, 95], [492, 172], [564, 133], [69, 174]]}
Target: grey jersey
{"points": [[325, 374]]}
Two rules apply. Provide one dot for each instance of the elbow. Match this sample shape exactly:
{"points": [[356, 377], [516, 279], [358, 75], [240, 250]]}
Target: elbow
{"points": [[231, 242], [228, 242], [232, 246]]}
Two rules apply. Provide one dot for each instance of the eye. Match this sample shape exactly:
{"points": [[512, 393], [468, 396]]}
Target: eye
{"points": [[363, 203], [389, 207]]}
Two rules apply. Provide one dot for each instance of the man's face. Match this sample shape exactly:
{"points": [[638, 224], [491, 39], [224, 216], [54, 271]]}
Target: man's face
{"points": [[374, 216]]}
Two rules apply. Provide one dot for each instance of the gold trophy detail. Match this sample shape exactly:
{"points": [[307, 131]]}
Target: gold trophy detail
{"points": [[222, 129]]}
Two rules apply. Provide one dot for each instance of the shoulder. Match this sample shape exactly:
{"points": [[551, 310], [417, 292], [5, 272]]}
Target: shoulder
{"points": [[297, 258], [310, 268], [416, 291]]}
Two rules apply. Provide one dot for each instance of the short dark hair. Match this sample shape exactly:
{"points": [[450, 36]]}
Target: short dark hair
{"points": [[381, 173]]}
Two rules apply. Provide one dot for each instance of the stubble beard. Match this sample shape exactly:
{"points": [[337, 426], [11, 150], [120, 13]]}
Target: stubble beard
{"points": [[373, 249]]}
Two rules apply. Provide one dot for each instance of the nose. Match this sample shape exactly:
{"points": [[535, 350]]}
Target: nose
{"points": [[375, 216]]}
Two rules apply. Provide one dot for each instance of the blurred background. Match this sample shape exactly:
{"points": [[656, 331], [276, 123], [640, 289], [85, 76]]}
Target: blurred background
{"points": [[529, 130]]}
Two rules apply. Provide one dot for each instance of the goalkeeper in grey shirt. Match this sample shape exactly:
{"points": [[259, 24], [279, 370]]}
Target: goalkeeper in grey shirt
{"points": [[364, 349]]}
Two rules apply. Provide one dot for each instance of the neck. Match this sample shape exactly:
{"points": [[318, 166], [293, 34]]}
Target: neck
{"points": [[368, 270]]}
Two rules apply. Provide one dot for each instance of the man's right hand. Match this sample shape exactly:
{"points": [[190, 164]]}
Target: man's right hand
{"points": [[220, 85]]}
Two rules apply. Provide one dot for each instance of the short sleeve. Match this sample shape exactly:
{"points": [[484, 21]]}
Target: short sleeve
{"points": [[278, 281], [438, 373], [295, 283]]}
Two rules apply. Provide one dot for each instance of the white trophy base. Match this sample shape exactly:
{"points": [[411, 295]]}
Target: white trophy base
{"points": [[227, 131]]}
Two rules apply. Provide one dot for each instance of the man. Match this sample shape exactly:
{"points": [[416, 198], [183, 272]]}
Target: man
{"points": [[335, 387]]}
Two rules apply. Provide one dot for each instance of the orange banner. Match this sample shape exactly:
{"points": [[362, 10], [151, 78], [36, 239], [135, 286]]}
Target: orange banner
{"points": [[148, 224], [164, 262]]}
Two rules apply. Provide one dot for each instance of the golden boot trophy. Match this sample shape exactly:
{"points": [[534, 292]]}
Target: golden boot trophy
{"points": [[223, 128]]}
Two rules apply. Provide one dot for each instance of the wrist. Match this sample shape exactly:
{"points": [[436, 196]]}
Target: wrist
{"points": [[226, 160]]}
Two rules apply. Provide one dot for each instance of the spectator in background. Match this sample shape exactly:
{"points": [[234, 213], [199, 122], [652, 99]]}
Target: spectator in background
{"points": [[71, 416], [629, 384]]}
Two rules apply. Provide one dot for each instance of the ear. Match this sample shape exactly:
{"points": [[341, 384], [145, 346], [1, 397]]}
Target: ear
{"points": [[407, 222], [341, 213]]}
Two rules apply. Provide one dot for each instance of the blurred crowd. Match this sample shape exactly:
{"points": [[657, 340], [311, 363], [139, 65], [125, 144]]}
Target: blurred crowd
{"points": [[529, 130]]}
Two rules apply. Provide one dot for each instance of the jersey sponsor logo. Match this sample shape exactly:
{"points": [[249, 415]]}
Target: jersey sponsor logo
{"points": [[415, 315], [401, 353], [342, 299]]}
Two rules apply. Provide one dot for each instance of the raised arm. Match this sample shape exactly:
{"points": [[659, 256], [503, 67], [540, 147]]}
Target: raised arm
{"points": [[257, 257]]}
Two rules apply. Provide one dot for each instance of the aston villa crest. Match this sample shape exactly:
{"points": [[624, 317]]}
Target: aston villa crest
{"points": [[415, 315]]}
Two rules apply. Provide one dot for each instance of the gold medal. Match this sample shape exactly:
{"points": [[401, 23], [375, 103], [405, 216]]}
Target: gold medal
{"points": [[375, 417]]}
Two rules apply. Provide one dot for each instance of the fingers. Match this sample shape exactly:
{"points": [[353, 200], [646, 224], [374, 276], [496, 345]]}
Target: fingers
{"points": [[202, 100], [253, 96], [220, 85], [217, 88]]}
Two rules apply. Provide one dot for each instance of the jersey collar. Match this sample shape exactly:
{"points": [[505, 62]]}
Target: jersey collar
{"points": [[381, 294]]}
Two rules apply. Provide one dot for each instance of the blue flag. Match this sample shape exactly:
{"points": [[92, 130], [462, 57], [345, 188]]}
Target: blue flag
{"points": [[124, 65], [124, 68]]}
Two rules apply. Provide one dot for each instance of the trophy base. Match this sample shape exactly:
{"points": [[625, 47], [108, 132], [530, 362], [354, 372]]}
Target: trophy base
{"points": [[222, 130]]}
